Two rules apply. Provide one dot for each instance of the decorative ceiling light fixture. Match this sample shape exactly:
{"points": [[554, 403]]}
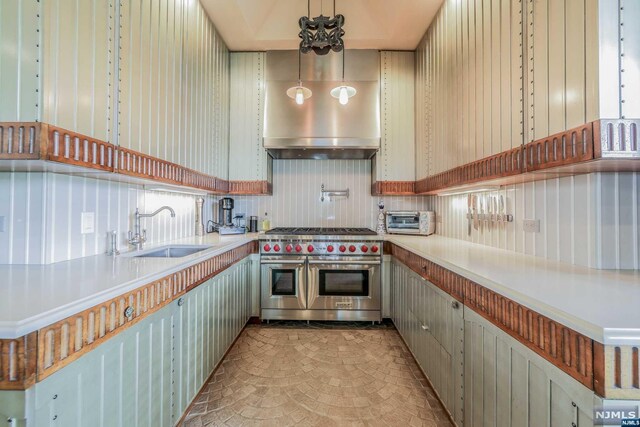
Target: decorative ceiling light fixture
{"points": [[299, 93], [314, 35], [343, 92]]}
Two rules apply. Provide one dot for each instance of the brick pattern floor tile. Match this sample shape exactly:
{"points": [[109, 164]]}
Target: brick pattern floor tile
{"points": [[286, 376]]}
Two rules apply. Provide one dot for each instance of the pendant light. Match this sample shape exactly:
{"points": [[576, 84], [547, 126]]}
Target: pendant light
{"points": [[343, 92], [299, 93]]}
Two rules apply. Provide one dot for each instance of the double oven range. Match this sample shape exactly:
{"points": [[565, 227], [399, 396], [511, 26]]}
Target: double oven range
{"points": [[320, 274]]}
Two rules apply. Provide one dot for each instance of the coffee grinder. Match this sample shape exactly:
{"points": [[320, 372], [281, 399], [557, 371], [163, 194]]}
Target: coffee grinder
{"points": [[225, 218]]}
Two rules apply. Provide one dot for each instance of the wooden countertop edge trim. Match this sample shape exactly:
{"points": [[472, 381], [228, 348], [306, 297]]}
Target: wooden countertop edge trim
{"points": [[35, 356], [45, 142]]}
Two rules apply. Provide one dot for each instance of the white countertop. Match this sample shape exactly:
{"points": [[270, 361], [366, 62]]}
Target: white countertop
{"points": [[601, 304], [34, 296]]}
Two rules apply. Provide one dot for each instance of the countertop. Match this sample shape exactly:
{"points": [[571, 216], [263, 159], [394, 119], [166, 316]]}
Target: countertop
{"points": [[34, 296], [600, 304]]}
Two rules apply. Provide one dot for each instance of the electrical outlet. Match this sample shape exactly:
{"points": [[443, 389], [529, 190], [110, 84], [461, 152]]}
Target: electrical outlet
{"points": [[87, 222], [1, 224], [531, 225]]}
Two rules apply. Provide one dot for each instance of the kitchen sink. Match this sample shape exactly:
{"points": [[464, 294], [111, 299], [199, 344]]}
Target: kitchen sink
{"points": [[176, 251]]}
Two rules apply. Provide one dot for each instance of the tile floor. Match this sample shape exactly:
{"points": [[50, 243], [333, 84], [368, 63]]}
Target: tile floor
{"points": [[288, 374]]}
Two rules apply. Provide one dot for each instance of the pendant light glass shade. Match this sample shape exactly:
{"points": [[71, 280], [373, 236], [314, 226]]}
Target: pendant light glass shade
{"points": [[343, 93], [299, 93]]}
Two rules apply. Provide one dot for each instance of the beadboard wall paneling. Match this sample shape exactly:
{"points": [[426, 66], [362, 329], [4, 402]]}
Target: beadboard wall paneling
{"points": [[174, 99], [248, 158], [42, 214], [590, 220], [397, 92], [296, 195], [20, 32], [78, 70], [468, 84]]}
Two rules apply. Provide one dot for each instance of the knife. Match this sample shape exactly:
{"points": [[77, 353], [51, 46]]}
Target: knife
{"points": [[494, 199], [474, 202], [502, 212], [482, 214], [469, 212]]}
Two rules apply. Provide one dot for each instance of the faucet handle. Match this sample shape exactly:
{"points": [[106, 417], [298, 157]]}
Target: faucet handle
{"points": [[144, 235], [130, 235]]}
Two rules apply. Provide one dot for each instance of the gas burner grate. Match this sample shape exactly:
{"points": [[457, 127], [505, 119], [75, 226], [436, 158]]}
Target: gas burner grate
{"points": [[318, 231]]}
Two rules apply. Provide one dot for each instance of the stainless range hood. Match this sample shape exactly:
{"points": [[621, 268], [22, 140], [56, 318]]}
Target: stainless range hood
{"points": [[322, 128]]}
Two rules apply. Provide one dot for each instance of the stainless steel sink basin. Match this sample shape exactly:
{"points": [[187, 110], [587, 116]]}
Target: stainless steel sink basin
{"points": [[175, 251]]}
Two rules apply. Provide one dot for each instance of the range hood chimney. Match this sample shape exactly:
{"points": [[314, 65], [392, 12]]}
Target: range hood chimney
{"points": [[322, 128]]}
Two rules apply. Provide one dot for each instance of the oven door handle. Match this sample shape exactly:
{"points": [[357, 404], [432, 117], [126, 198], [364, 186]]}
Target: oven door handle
{"points": [[346, 262], [282, 262]]}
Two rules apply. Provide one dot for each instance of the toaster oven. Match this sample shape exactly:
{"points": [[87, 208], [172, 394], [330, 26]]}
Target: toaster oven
{"points": [[411, 222]]}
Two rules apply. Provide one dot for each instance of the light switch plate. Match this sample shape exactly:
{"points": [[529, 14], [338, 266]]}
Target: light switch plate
{"points": [[531, 225], [87, 222]]}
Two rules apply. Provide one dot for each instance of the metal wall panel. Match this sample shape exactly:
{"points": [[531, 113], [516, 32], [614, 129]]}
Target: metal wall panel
{"points": [[589, 220], [468, 79], [296, 195], [42, 213], [20, 60], [247, 157], [174, 94], [78, 72], [397, 115]]}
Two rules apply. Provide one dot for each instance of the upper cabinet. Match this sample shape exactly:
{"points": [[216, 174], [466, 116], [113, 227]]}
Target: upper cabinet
{"points": [[393, 171], [469, 100], [149, 76], [249, 163], [174, 85]]}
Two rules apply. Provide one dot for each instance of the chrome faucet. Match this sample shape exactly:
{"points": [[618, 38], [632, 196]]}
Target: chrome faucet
{"points": [[138, 239]]}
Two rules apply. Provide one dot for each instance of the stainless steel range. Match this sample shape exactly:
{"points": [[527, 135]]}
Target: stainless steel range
{"points": [[320, 274]]}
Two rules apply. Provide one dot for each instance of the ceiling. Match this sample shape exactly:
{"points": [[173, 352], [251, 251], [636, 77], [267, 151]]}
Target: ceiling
{"points": [[255, 25]]}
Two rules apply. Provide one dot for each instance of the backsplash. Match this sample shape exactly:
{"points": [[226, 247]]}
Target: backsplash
{"points": [[590, 220], [296, 195], [42, 216]]}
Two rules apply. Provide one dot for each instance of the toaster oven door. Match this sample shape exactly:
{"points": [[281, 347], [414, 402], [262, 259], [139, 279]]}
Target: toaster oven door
{"points": [[404, 223]]}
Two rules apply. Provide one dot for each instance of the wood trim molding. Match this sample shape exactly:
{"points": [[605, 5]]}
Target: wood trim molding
{"points": [[564, 148], [393, 188], [250, 188], [575, 354], [40, 141], [34, 357], [18, 362]]}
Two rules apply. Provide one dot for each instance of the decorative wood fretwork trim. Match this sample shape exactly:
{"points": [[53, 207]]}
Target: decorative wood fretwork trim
{"points": [[393, 188], [250, 187], [570, 351], [40, 141], [563, 148], [18, 362], [31, 358], [619, 371], [505, 164]]}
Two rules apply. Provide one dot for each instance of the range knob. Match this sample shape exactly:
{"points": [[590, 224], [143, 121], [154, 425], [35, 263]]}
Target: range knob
{"points": [[352, 248], [298, 248], [364, 248], [267, 248], [310, 248], [330, 248], [288, 248], [343, 248], [276, 248], [374, 248]]}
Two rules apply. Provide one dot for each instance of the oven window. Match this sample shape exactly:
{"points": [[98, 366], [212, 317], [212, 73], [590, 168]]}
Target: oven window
{"points": [[352, 283], [283, 281]]}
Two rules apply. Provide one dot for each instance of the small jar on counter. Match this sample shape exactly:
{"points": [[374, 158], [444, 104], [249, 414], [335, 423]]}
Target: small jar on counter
{"points": [[266, 224]]}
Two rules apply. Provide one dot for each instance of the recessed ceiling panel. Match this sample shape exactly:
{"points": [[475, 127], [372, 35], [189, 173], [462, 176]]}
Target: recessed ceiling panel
{"points": [[249, 25]]}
